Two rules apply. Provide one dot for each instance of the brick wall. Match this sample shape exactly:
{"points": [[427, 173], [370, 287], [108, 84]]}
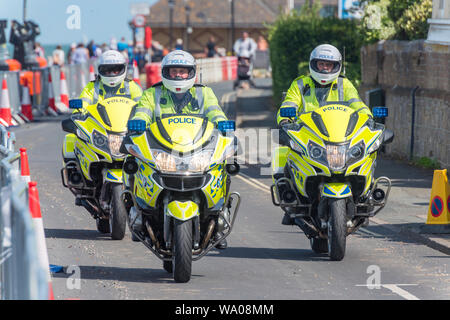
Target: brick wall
{"points": [[398, 67]]}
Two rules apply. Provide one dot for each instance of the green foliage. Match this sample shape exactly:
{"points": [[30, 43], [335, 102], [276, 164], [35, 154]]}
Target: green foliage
{"points": [[292, 38], [427, 163], [395, 19], [376, 22], [413, 22]]}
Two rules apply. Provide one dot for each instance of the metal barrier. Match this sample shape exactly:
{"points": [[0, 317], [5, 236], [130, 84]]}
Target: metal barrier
{"points": [[22, 277], [13, 82], [261, 59]]}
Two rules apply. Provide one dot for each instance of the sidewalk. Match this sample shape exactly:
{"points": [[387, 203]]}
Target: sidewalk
{"points": [[407, 207]]}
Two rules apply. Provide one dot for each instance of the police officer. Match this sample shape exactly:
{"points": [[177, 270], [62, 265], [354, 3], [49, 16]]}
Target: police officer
{"points": [[324, 84], [111, 80], [177, 94]]}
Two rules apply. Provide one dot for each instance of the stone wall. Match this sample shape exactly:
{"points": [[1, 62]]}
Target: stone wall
{"points": [[398, 67]]}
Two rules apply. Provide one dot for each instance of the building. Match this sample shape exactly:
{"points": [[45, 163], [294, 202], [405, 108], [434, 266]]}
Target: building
{"points": [[195, 21]]}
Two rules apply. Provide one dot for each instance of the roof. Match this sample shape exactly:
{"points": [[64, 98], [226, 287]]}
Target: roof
{"points": [[207, 13]]}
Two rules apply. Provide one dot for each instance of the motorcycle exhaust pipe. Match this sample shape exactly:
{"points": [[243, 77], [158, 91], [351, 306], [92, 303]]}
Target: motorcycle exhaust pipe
{"points": [[152, 235], [307, 228]]}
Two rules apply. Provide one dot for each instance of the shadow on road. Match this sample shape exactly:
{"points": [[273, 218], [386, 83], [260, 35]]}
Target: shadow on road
{"points": [[270, 253], [79, 234], [138, 275]]}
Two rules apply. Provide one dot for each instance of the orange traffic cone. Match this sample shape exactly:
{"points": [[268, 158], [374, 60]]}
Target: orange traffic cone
{"points": [[136, 73], [26, 111], [35, 210], [439, 208], [5, 106], [51, 96], [91, 73], [24, 166], [64, 91]]}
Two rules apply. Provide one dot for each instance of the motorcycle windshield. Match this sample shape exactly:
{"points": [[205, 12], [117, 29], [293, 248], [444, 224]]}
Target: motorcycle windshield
{"points": [[182, 133], [113, 113], [334, 123]]}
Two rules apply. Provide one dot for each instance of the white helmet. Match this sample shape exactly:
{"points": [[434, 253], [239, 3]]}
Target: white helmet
{"points": [[325, 52], [178, 59], [112, 68]]}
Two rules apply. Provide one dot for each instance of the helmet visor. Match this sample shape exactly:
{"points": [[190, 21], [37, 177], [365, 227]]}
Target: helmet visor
{"points": [[325, 66], [178, 72], [111, 70]]}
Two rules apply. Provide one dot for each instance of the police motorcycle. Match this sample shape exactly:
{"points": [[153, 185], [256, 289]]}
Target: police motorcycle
{"points": [[177, 187], [92, 162], [323, 175]]}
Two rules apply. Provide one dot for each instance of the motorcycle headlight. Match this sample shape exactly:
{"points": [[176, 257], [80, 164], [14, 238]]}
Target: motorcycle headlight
{"points": [[115, 141], [99, 140], [317, 153], [336, 156], [200, 161], [355, 153], [164, 160], [196, 163]]}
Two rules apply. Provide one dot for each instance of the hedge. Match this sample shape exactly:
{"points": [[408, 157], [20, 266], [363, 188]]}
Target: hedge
{"points": [[292, 38]]}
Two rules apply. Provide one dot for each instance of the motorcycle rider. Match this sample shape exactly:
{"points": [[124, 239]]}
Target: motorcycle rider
{"points": [[324, 84], [177, 94], [111, 80]]}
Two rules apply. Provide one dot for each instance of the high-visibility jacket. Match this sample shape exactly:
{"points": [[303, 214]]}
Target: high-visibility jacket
{"points": [[95, 92], [302, 95], [199, 99]]}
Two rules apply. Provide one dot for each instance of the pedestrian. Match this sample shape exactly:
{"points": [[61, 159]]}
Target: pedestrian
{"points": [[262, 44], [245, 46], [70, 53], [80, 55], [38, 50], [211, 47], [58, 56]]}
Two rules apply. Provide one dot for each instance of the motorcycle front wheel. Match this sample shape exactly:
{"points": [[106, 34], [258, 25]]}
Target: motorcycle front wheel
{"points": [[118, 214], [182, 250], [337, 229]]}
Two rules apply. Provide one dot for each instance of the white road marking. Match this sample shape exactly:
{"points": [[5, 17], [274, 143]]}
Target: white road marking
{"points": [[395, 288], [253, 182]]}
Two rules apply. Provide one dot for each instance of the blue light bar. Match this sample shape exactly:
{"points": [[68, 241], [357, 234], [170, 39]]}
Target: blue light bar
{"points": [[136, 125], [226, 126], [289, 112], [380, 112], [75, 104]]}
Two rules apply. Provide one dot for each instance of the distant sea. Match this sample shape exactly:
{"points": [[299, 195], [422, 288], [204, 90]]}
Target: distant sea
{"points": [[48, 49]]}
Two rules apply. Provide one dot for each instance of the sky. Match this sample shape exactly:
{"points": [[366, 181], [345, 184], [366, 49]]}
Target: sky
{"points": [[99, 20]]}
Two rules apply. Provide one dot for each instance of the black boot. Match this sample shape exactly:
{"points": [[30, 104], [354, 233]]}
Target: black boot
{"points": [[222, 244]]}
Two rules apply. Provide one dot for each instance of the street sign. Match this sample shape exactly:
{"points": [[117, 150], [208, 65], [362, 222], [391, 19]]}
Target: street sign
{"points": [[139, 21], [349, 9], [437, 206], [140, 8]]}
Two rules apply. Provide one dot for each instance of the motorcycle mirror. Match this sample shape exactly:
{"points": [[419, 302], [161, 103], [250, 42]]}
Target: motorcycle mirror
{"points": [[226, 126], [137, 125], [388, 136], [75, 104], [289, 112], [380, 112]]}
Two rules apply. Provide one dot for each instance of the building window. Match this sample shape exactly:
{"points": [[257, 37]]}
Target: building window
{"points": [[328, 11]]}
